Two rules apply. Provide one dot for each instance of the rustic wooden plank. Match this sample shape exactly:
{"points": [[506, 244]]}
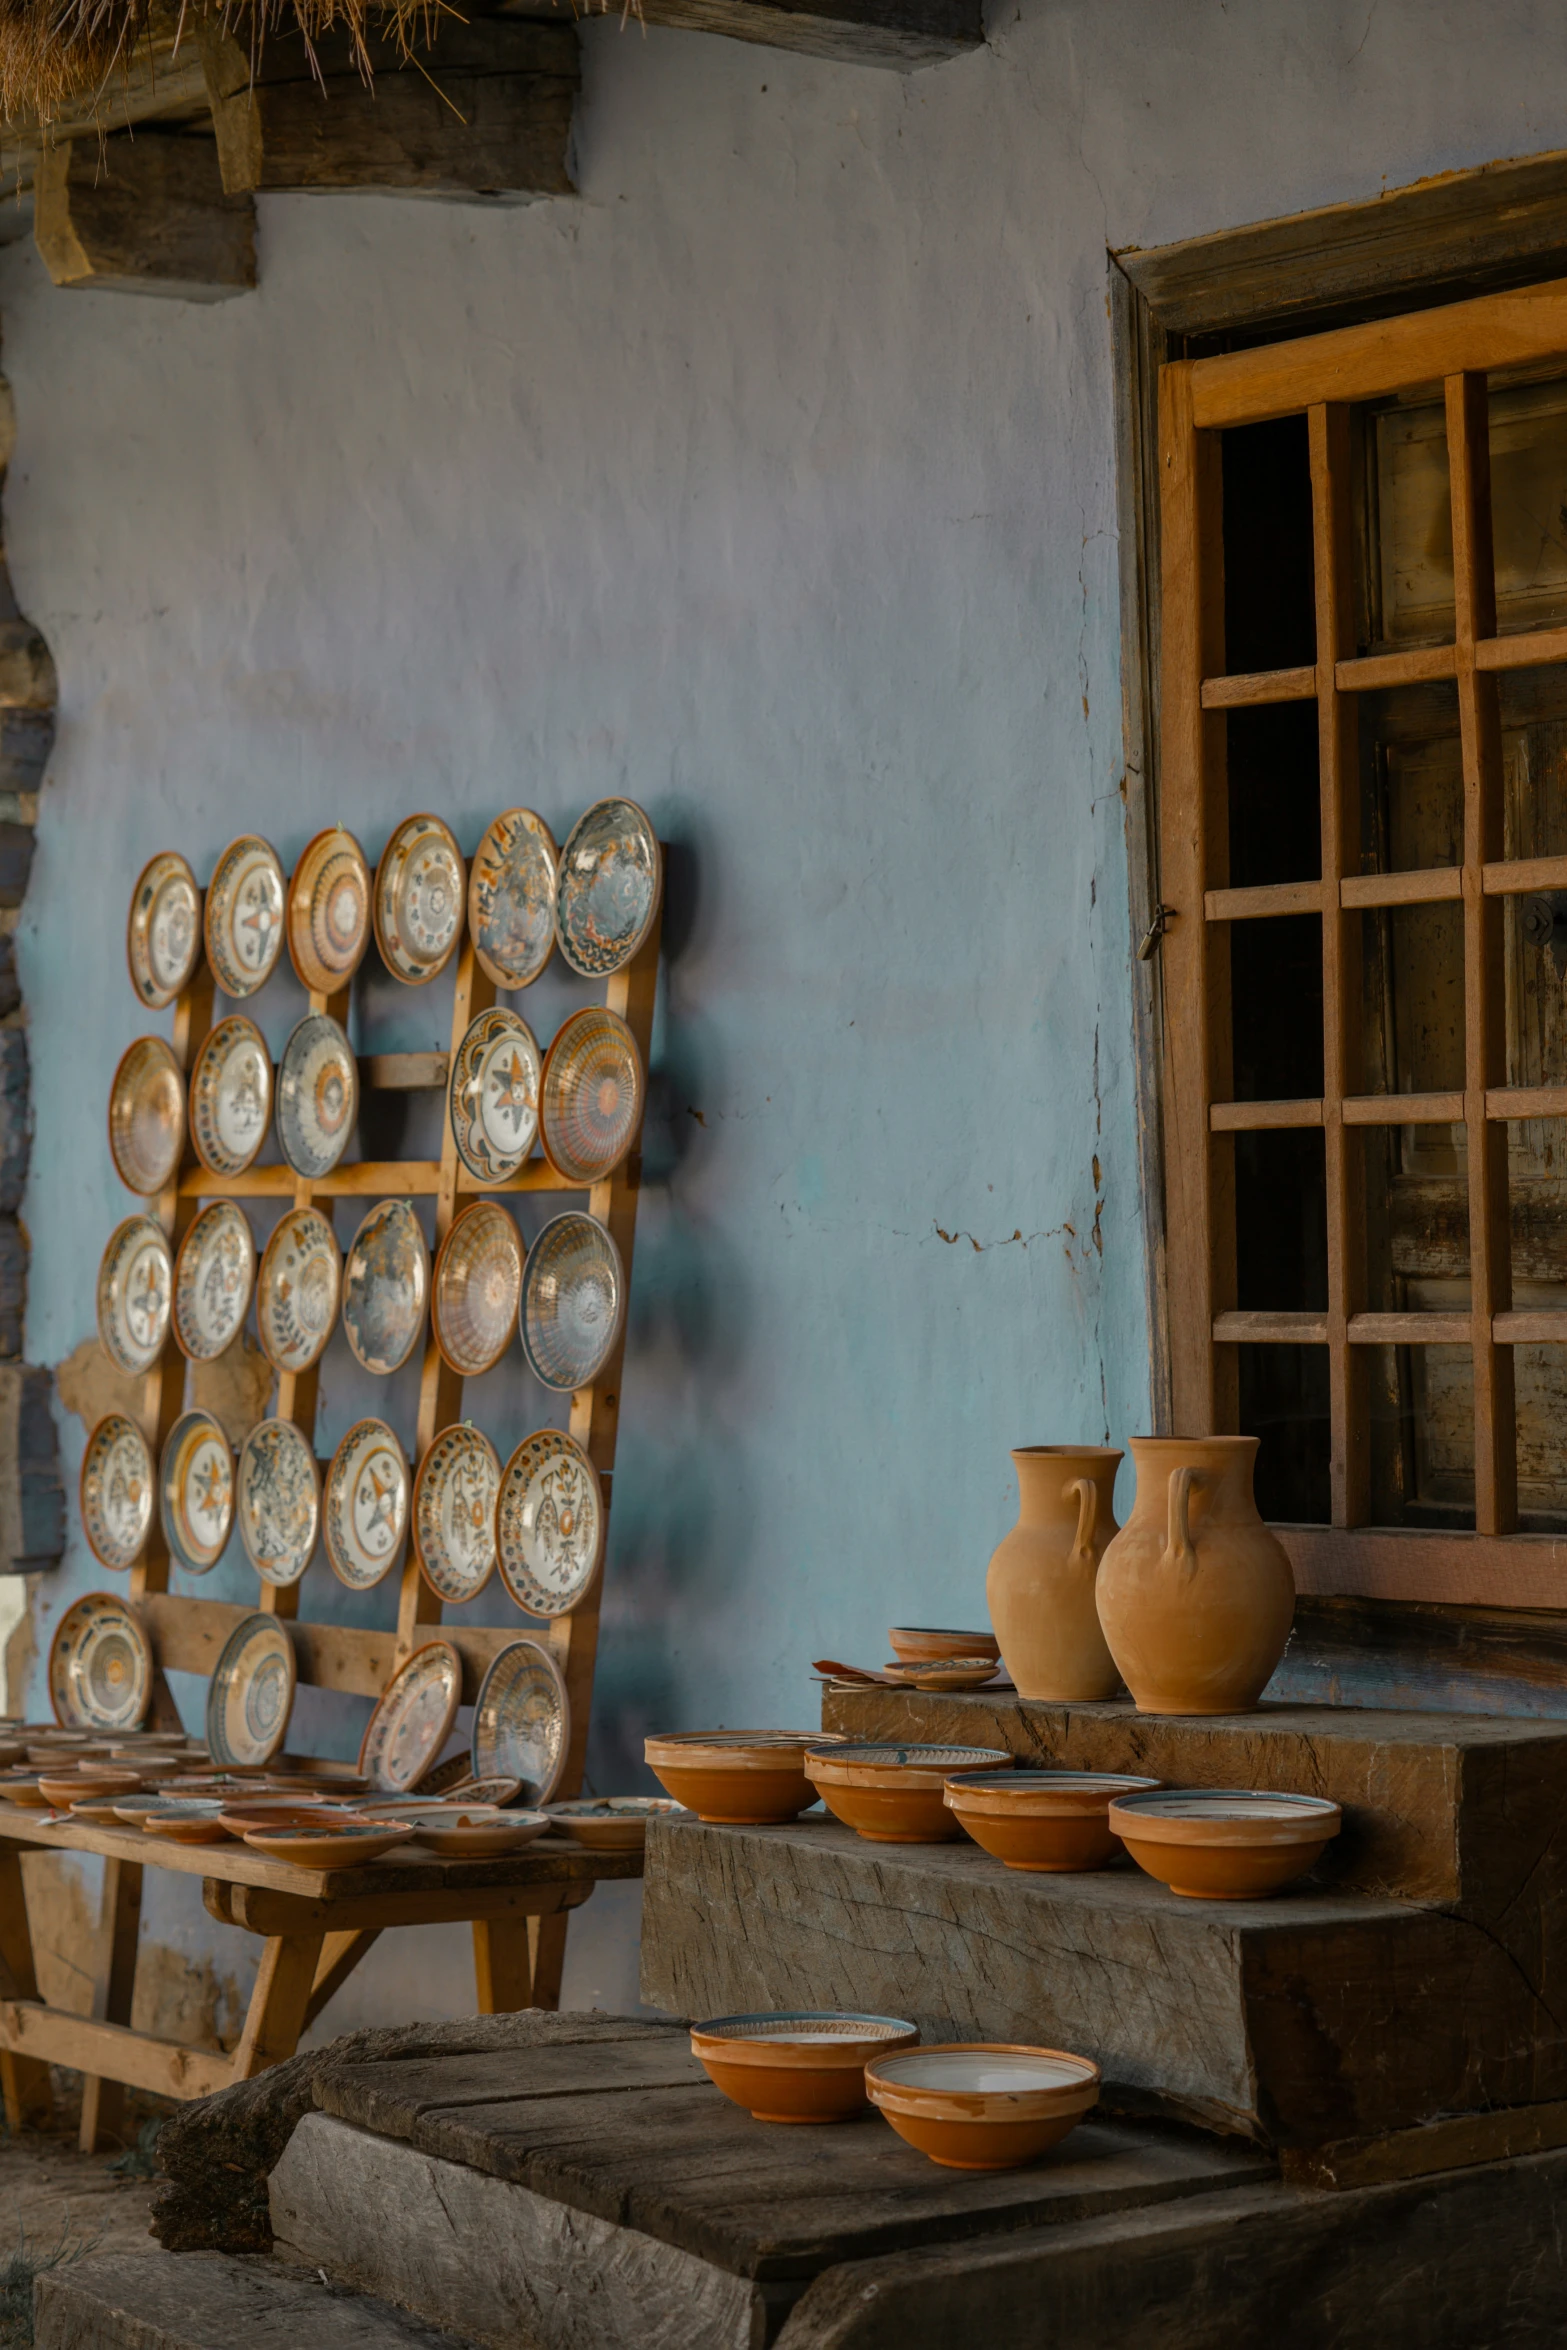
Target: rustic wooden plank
{"points": [[114, 1986], [346, 1908], [1530, 1329], [50, 2036], [1432, 888], [389, 2099], [1523, 876], [1449, 1570], [24, 2081], [1260, 1117], [1410, 1330], [115, 2301], [1447, 2145], [1265, 902], [278, 2003], [1258, 1329], [901, 34], [1264, 685], [1527, 649], [1403, 1109], [362, 1179], [143, 214], [1375, 672], [341, 1952]]}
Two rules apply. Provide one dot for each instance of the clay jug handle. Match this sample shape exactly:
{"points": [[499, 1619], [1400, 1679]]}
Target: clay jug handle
{"points": [[1087, 1493], [1179, 1550]]}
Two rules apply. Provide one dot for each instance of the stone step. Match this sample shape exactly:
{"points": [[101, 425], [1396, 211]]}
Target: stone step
{"points": [[1318, 2017], [209, 2301]]}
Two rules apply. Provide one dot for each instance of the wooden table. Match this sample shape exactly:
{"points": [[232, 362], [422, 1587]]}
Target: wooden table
{"points": [[316, 1925]]}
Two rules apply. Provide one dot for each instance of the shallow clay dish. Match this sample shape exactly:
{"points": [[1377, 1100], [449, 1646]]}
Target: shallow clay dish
{"points": [[893, 1794], [612, 1823], [298, 1290], [522, 1722], [493, 1097], [24, 1790], [317, 1096], [799, 2066], [230, 1096], [952, 1673], [100, 1665], [251, 1694], [917, 1644], [239, 1812], [135, 1294], [1043, 1820], [976, 2105], [116, 1487], [345, 1844], [608, 887], [364, 1505], [549, 1523], [1225, 1843], [474, 1831], [329, 911], [278, 1489], [386, 1282], [418, 900], [454, 1512], [413, 1718], [196, 1492], [591, 1095], [186, 1823], [477, 1288], [573, 1301], [81, 1782], [163, 934], [214, 1275], [147, 1116], [736, 1778], [243, 918], [511, 898]]}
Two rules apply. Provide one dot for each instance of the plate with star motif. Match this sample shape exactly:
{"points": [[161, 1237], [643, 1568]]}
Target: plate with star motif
{"points": [[494, 1095], [147, 1116], [549, 1524], [243, 921], [317, 1096], [611, 878], [454, 1513], [590, 1095], [364, 1509], [329, 911], [476, 1289], [214, 1275], [419, 888], [135, 1294], [386, 1282], [116, 1489], [196, 1492], [522, 1722], [231, 1096], [251, 1693], [298, 1289], [278, 1501], [511, 898], [414, 1718], [100, 1666], [163, 934]]}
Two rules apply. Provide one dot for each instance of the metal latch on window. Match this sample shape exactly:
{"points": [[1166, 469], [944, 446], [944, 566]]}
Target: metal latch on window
{"points": [[1149, 947]]}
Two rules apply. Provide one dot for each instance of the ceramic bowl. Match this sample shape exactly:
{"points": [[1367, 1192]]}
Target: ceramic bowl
{"points": [[915, 1644], [239, 1817], [251, 1693], [386, 1283], [365, 1504], [493, 1096], [454, 1512], [163, 934], [147, 1116], [549, 1523], [186, 1823], [474, 1831], [329, 911], [97, 1811], [116, 1488], [413, 1718], [100, 1664], [952, 1673], [735, 1778], [230, 1104], [278, 1500], [613, 1823], [214, 1275], [135, 1295], [1043, 1820], [298, 1290], [460, 1787], [196, 1492], [893, 1794], [800, 2066], [607, 893], [522, 1722], [979, 2105], [1225, 1843], [317, 1096], [344, 1844], [23, 1789], [511, 898], [88, 1779], [477, 1289], [573, 1302], [418, 900], [591, 1095], [243, 917]]}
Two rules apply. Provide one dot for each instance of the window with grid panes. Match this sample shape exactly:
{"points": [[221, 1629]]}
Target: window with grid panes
{"points": [[1364, 841]]}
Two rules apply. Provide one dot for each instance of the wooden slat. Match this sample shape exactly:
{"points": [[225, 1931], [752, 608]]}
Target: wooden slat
{"points": [[1411, 1330], [1451, 1570], [1433, 887], [24, 2081], [1404, 1109], [1520, 877], [1370, 673], [1254, 1329], [1526, 1101], [113, 2052], [187, 1634], [103, 2104], [1530, 1329], [1261, 1117], [405, 1072], [340, 1954], [1268, 901], [279, 2003], [366, 1179], [1263, 685], [1528, 648]]}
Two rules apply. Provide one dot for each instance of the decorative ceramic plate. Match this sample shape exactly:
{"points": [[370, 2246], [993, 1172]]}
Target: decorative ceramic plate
{"points": [[345, 1844], [135, 1294], [522, 1722], [163, 936], [474, 1831], [231, 1096], [317, 1096], [385, 1284], [329, 911], [454, 1512], [147, 1116], [100, 1665], [573, 1300], [214, 1275], [549, 1523], [494, 1095], [419, 900], [279, 1501], [611, 873], [591, 1095], [196, 1492], [364, 1510], [244, 915], [298, 1289], [477, 1288], [613, 1823], [117, 1486], [414, 1718], [251, 1693], [511, 898]]}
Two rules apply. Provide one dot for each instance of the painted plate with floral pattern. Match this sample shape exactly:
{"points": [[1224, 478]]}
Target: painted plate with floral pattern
{"points": [[549, 1523], [317, 1096], [573, 1301], [419, 888], [100, 1666], [163, 934], [329, 911], [454, 1512], [231, 1096], [117, 1484], [494, 1095], [511, 898], [196, 1492], [278, 1501], [591, 1095], [386, 1283], [611, 876], [251, 1693], [298, 1289], [243, 920], [214, 1275], [135, 1294], [414, 1718], [147, 1116], [477, 1288], [522, 1722], [364, 1508]]}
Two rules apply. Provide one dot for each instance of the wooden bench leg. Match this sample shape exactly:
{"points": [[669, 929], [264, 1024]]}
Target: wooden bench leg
{"points": [[24, 2081], [547, 1935], [279, 2003], [340, 1954], [503, 1964], [119, 1923]]}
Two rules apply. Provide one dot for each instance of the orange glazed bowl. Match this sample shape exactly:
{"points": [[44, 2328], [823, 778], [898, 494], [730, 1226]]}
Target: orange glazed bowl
{"points": [[919, 1644], [1043, 1820], [797, 2067], [1225, 1843], [892, 1794], [982, 2105], [736, 1778]]}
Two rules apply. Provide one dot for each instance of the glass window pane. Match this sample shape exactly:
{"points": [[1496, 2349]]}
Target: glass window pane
{"points": [[1284, 1400], [1411, 779], [1276, 1008], [1422, 1436], [1413, 1000]]}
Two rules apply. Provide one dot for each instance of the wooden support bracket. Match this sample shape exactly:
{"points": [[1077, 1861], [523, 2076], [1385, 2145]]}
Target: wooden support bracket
{"points": [[903, 34], [143, 214]]}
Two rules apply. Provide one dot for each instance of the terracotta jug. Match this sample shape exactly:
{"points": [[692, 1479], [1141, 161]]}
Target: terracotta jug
{"points": [[1041, 1581], [1195, 1595]]}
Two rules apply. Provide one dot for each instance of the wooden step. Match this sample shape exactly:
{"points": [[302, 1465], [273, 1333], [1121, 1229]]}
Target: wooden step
{"points": [[209, 2301]]}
